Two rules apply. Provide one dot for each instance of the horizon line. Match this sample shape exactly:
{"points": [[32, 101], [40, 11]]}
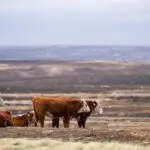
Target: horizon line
{"points": [[76, 45]]}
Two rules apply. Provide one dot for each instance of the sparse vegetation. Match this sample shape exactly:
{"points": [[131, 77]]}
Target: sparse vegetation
{"points": [[46, 144], [68, 77], [126, 104]]}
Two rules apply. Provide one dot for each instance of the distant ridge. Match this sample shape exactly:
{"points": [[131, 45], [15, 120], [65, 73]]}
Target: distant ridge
{"points": [[76, 53]]}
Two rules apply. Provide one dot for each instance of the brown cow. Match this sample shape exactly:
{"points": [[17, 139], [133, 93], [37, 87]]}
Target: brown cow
{"points": [[65, 107], [81, 117], [6, 118], [23, 120]]}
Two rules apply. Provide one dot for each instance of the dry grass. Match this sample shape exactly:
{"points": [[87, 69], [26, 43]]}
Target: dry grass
{"points": [[48, 144], [125, 120]]}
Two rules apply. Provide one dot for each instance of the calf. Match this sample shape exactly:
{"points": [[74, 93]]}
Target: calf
{"points": [[23, 119]]}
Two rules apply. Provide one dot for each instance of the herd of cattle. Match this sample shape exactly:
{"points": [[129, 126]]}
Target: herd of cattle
{"points": [[55, 107]]}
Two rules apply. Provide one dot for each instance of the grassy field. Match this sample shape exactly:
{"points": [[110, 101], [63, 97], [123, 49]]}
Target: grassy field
{"points": [[125, 119], [47, 144], [125, 123]]}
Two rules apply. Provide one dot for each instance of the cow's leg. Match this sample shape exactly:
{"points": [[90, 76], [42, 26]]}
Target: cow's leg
{"points": [[55, 122], [84, 122], [78, 118], [79, 123], [36, 119], [57, 125], [41, 120], [66, 121]]}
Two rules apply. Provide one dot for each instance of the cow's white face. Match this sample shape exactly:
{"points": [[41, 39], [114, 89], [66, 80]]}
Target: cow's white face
{"points": [[85, 107], [98, 109]]}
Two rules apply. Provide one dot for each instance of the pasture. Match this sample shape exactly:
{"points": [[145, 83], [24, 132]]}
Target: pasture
{"points": [[126, 116], [125, 119]]}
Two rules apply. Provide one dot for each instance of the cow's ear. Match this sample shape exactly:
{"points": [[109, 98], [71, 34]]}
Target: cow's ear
{"points": [[28, 115]]}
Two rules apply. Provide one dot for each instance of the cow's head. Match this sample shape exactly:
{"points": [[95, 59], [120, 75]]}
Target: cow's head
{"points": [[85, 107], [30, 116], [98, 108]]}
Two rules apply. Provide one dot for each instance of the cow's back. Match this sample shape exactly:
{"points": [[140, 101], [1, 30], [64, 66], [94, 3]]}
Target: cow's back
{"points": [[56, 104], [20, 121]]}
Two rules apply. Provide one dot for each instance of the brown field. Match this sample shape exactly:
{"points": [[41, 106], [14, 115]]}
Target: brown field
{"points": [[125, 119], [126, 116]]}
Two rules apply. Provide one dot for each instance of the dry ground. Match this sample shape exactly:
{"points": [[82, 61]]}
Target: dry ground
{"points": [[126, 100], [125, 118]]}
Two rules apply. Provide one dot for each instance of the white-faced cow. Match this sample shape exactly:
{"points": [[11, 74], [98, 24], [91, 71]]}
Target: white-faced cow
{"points": [[81, 117]]}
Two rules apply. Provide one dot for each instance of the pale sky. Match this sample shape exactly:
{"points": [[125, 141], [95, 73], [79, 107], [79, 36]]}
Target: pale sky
{"points": [[100, 22]]}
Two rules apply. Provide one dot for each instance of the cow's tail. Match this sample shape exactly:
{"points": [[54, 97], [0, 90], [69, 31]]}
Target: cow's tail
{"points": [[36, 116]]}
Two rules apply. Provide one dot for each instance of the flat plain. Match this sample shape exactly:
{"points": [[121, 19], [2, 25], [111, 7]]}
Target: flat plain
{"points": [[126, 105]]}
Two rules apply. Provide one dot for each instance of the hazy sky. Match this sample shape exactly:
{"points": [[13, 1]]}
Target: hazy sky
{"points": [[45, 22]]}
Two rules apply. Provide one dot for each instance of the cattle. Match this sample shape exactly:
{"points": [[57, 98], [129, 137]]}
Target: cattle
{"points": [[58, 106], [81, 118], [6, 118], [23, 120]]}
